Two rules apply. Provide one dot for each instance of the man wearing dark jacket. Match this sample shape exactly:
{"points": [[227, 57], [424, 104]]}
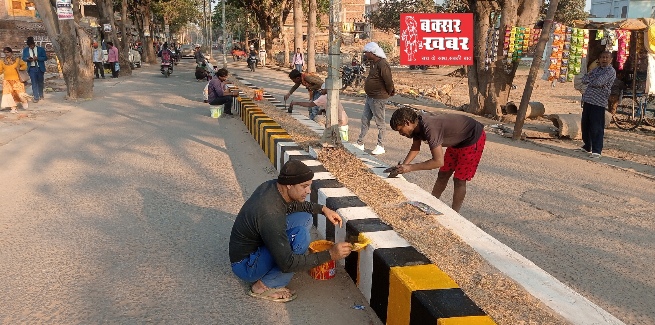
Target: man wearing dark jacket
{"points": [[378, 87], [270, 235]]}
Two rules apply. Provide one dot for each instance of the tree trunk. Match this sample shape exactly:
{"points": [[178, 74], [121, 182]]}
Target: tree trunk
{"points": [[125, 41], [297, 25], [489, 89], [148, 49], [283, 37], [73, 48], [311, 37]]}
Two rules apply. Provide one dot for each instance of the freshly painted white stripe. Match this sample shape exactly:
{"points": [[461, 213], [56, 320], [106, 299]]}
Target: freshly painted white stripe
{"points": [[278, 150], [327, 192], [312, 162], [386, 239], [323, 175], [357, 213]]}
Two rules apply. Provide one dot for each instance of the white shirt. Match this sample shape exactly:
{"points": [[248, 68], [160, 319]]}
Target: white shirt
{"points": [[33, 54]]}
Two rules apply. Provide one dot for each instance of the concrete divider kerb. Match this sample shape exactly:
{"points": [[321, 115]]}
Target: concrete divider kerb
{"points": [[401, 285]]}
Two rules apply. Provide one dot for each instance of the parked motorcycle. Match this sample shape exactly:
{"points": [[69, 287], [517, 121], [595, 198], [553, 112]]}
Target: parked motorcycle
{"points": [[352, 75], [166, 68], [252, 62], [418, 67]]}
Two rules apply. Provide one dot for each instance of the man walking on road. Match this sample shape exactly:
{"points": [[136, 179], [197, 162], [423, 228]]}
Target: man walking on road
{"points": [[378, 86], [35, 58], [594, 103], [298, 60], [112, 59], [270, 235], [463, 137], [98, 68]]}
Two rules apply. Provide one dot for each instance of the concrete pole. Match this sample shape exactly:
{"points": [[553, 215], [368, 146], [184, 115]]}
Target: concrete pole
{"points": [[333, 82], [534, 69], [224, 35], [210, 29]]}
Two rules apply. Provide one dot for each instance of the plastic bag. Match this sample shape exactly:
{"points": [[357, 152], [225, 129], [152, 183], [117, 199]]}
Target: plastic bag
{"points": [[205, 93]]}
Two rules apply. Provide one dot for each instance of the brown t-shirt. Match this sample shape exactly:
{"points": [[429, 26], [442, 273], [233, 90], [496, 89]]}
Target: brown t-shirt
{"points": [[448, 130], [379, 84]]}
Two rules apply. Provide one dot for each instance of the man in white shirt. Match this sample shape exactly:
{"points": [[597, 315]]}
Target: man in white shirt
{"points": [[98, 56], [298, 60]]}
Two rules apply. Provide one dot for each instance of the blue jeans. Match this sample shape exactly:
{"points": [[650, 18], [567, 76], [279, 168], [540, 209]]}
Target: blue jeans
{"points": [[299, 67], [592, 126], [313, 111], [374, 108], [36, 77], [260, 265]]}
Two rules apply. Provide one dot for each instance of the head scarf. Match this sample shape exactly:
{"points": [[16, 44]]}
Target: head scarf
{"points": [[375, 49]]}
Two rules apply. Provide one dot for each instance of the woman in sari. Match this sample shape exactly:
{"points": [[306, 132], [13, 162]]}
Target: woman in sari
{"points": [[13, 90]]}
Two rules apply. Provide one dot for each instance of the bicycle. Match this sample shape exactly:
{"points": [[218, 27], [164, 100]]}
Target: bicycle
{"points": [[632, 111]]}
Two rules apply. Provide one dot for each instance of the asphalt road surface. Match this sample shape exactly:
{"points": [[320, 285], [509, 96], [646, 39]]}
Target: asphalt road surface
{"points": [[118, 210], [590, 224]]}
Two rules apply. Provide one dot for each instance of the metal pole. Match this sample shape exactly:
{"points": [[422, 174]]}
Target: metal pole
{"points": [[224, 36]]}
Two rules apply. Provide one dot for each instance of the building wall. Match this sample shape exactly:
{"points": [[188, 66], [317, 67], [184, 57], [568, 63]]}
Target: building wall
{"points": [[615, 8], [641, 9], [17, 9]]}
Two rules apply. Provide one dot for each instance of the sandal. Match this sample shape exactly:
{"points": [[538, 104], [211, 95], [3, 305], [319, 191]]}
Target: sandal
{"points": [[268, 295]]}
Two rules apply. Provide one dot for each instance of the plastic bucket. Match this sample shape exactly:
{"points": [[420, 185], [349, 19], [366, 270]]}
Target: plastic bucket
{"points": [[325, 271], [343, 131], [216, 111]]}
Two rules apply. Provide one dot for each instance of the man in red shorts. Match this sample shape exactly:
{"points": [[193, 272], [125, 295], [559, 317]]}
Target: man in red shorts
{"points": [[463, 137]]}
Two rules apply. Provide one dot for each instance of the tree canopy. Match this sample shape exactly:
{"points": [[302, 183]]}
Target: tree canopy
{"points": [[567, 11]]}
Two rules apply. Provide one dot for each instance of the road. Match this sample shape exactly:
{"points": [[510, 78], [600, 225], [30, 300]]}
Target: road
{"points": [[118, 210], [588, 223]]}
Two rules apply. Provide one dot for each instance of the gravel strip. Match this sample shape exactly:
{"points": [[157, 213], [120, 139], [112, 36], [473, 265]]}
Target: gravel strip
{"points": [[499, 296]]}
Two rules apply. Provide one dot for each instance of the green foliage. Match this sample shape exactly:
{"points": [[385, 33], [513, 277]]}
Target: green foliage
{"points": [[176, 12], [455, 6], [387, 47], [322, 8], [387, 17], [567, 11], [237, 20]]}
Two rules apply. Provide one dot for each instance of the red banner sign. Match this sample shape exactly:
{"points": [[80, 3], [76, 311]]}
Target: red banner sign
{"points": [[436, 39]]}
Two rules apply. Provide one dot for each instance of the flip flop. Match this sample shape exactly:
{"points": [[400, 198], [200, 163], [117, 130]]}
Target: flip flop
{"points": [[267, 295]]}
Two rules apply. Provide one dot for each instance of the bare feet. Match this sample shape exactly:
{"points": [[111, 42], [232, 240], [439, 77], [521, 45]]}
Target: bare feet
{"points": [[260, 290]]}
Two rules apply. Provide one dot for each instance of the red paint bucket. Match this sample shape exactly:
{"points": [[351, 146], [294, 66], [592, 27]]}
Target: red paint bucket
{"points": [[325, 271]]}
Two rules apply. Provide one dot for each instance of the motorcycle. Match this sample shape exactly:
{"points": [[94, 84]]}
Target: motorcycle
{"points": [[252, 62], [352, 76], [166, 68]]}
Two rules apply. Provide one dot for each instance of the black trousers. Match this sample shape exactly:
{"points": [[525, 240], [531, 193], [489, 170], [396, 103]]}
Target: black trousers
{"points": [[224, 100], [592, 126], [98, 68]]}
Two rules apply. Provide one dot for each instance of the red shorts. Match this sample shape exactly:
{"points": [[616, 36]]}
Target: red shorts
{"points": [[464, 161]]}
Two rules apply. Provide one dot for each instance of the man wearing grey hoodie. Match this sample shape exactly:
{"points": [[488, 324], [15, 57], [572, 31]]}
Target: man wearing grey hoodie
{"points": [[378, 87]]}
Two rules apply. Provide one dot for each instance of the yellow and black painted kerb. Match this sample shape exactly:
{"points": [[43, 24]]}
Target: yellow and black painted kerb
{"points": [[406, 288]]}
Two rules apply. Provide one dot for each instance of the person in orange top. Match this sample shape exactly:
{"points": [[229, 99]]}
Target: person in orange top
{"points": [[13, 90]]}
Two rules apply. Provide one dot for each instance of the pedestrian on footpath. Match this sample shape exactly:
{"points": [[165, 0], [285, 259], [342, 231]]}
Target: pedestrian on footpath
{"points": [[463, 137], [112, 59], [298, 60], [13, 89], [270, 235], [313, 84], [321, 102], [595, 99], [98, 56], [218, 93], [35, 58], [378, 87]]}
